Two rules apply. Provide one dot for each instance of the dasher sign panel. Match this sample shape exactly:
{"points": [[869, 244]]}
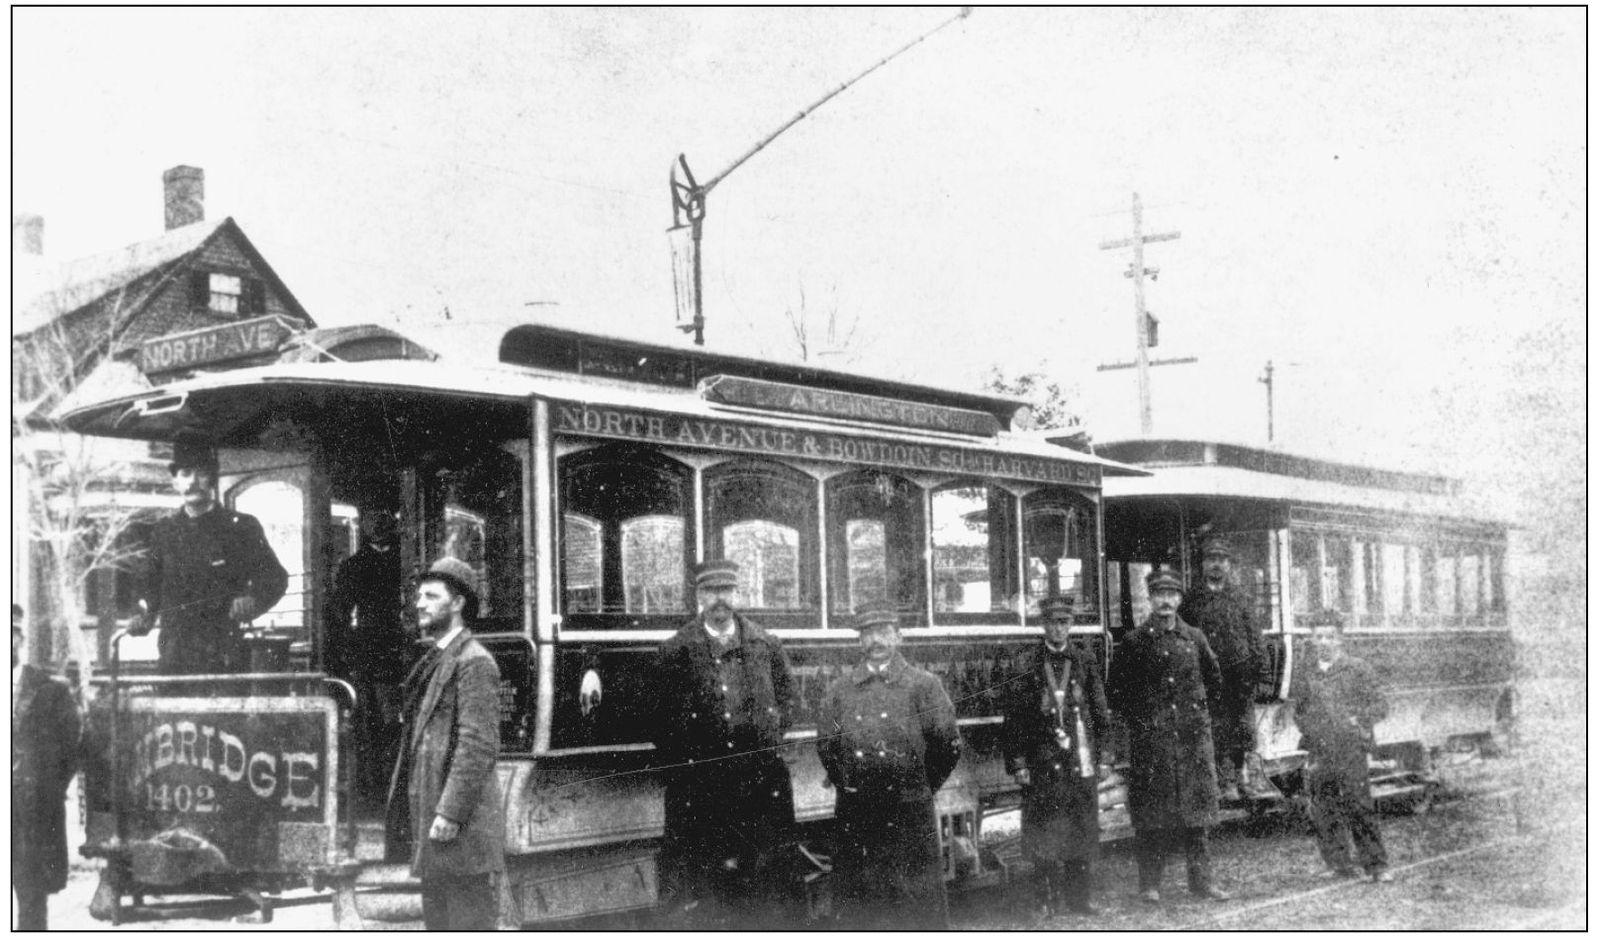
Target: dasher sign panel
{"points": [[693, 432], [227, 770]]}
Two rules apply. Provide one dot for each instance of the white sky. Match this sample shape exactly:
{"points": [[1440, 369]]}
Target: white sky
{"points": [[1389, 204]]}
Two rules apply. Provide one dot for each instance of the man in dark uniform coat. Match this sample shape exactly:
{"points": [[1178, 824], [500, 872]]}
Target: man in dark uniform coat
{"points": [[44, 743], [445, 778], [1225, 616], [208, 570], [1160, 681], [1055, 722], [725, 696], [1339, 702], [369, 646], [888, 741]]}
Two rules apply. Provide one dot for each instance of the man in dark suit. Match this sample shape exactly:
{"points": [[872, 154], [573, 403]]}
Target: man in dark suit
{"points": [[208, 570], [1056, 721], [888, 741], [725, 696], [1224, 614], [44, 742], [1162, 681], [1339, 702], [446, 773]]}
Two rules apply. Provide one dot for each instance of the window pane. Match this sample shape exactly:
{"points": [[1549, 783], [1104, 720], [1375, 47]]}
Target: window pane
{"points": [[1336, 575], [1061, 548], [1469, 574], [225, 291], [876, 544], [767, 555], [762, 516], [1446, 600], [651, 563], [1394, 557], [584, 570], [279, 506], [972, 550], [482, 527], [1306, 596]]}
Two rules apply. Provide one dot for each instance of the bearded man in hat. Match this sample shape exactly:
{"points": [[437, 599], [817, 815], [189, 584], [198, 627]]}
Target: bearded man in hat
{"points": [[445, 775], [1056, 721], [1162, 676], [725, 696], [208, 570], [888, 741], [1224, 614]]}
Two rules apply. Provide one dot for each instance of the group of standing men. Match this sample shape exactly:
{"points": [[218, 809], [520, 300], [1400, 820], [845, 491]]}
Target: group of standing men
{"points": [[1182, 682]]}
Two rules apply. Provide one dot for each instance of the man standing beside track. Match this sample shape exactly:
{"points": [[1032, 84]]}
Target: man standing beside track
{"points": [[209, 569], [888, 741], [1055, 725], [1225, 616], [1160, 682], [446, 774], [1339, 703], [724, 698], [44, 750]]}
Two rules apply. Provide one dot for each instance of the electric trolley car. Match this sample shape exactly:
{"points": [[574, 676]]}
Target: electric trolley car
{"points": [[582, 477], [1418, 582]]}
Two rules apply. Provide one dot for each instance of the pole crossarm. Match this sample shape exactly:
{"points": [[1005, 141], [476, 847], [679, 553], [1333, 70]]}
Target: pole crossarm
{"points": [[1171, 361], [1128, 243]]}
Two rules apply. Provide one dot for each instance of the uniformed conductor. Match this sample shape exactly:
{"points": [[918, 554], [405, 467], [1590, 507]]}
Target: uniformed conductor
{"points": [[209, 569], [888, 740], [1224, 614], [1056, 721], [1160, 683], [725, 696]]}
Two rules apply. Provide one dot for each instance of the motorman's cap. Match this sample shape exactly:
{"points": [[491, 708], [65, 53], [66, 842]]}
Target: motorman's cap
{"points": [[1164, 579], [1056, 606], [457, 573], [1217, 547], [716, 574], [192, 449], [871, 617]]}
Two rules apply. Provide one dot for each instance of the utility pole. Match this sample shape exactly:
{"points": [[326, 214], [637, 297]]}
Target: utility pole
{"points": [[1144, 319], [1268, 379], [688, 196]]}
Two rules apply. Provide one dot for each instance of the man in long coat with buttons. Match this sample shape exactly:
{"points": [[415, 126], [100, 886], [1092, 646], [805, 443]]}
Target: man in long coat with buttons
{"points": [[1161, 680], [1224, 614], [208, 570], [725, 696], [888, 741], [1056, 720]]}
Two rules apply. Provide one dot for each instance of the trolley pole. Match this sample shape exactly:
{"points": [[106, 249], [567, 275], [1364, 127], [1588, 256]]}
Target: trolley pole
{"points": [[1268, 379], [1144, 324], [688, 195]]}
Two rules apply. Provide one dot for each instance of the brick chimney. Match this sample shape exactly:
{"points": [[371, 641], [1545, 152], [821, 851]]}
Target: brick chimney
{"points": [[185, 196], [27, 234]]}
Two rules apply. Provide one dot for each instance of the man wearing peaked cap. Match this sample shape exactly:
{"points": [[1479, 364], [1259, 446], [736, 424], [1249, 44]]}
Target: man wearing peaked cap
{"points": [[445, 775], [725, 695], [207, 570], [1224, 614], [888, 741], [1056, 722], [1162, 681]]}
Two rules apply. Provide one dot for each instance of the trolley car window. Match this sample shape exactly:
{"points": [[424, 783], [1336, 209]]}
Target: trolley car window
{"points": [[875, 540], [626, 536], [1394, 581], [973, 554], [1446, 586], [762, 515], [1061, 547], [482, 527], [1469, 586], [279, 506]]}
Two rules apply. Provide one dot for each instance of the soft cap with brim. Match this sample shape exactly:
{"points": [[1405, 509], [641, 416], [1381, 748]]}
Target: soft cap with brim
{"points": [[715, 574]]}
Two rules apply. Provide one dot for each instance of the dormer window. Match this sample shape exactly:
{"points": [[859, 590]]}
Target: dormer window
{"points": [[228, 295], [226, 292]]}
